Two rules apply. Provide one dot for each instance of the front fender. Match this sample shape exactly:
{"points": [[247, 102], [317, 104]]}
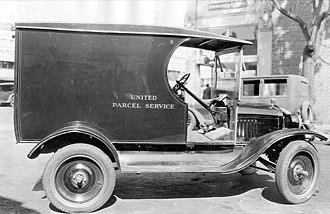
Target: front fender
{"points": [[76, 127], [258, 146]]}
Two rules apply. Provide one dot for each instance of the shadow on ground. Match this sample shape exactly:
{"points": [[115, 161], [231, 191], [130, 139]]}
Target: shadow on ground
{"points": [[190, 185], [197, 185], [10, 206]]}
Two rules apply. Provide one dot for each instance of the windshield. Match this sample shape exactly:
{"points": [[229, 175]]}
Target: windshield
{"points": [[276, 87], [265, 88], [251, 88]]}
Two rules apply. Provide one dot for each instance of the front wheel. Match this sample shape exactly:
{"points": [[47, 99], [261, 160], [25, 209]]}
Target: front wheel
{"points": [[297, 171], [79, 178]]}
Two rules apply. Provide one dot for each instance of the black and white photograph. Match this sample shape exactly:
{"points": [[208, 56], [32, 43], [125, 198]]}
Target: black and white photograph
{"points": [[165, 106]]}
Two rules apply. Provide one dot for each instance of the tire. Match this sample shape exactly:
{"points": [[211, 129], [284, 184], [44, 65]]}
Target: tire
{"points": [[79, 178], [307, 113], [297, 172], [192, 122], [12, 101], [248, 170]]}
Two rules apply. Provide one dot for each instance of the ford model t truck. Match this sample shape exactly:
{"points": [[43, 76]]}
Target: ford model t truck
{"points": [[97, 96]]}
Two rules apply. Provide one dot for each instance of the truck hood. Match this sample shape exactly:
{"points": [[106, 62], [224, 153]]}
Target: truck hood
{"points": [[258, 108]]}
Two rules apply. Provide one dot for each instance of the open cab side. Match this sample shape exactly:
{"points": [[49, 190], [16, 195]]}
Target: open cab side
{"points": [[210, 139]]}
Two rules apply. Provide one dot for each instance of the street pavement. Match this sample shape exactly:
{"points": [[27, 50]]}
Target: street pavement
{"points": [[154, 192]]}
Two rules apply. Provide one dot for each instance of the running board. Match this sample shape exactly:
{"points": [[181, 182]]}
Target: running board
{"points": [[207, 161]]}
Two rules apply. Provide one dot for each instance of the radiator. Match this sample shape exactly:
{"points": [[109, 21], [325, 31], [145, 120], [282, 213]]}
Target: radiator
{"points": [[252, 126]]}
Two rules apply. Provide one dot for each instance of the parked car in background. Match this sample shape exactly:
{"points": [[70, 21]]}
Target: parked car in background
{"points": [[7, 93], [289, 92], [267, 104]]}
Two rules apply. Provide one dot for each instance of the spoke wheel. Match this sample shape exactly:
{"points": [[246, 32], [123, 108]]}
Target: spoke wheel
{"points": [[79, 178], [191, 121], [297, 171]]}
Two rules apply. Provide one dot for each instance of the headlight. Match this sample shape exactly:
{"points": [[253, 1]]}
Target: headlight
{"points": [[292, 121]]}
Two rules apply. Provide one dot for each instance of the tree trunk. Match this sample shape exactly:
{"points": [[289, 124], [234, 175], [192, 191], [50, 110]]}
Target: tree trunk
{"points": [[308, 72]]}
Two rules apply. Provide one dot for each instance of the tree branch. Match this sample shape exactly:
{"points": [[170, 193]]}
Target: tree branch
{"points": [[314, 5], [319, 6], [323, 16], [316, 10], [292, 16]]}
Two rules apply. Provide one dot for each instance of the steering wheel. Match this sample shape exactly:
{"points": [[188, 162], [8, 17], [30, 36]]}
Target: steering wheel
{"points": [[181, 82]]}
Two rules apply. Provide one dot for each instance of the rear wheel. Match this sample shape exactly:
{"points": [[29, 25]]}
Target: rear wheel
{"points": [[79, 178], [297, 171]]}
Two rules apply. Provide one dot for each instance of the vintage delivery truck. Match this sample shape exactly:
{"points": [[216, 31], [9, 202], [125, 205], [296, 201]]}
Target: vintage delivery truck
{"points": [[97, 96]]}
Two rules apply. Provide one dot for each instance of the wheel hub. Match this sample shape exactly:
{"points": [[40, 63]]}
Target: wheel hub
{"points": [[79, 179], [300, 174]]}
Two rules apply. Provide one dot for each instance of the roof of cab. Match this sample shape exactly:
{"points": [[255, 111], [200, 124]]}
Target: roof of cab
{"points": [[195, 38]]}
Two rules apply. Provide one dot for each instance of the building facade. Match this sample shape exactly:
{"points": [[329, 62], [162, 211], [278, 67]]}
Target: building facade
{"points": [[278, 40], [7, 50]]}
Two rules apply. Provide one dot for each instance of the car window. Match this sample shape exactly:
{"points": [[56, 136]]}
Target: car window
{"points": [[275, 87], [251, 87], [5, 88]]}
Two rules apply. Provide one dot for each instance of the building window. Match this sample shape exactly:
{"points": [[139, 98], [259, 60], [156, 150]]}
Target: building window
{"points": [[226, 4], [10, 64], [6, 64]]}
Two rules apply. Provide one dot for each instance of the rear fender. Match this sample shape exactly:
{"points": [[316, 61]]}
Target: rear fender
{"points": [[258, 146], [80, 128]]}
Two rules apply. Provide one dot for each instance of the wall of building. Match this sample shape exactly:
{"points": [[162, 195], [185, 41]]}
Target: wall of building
{"points": [[322, 80], [160, 12], [241, 19], [7, 45], [280, 42], [288, 41], [7, 49], [287, 47]]}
